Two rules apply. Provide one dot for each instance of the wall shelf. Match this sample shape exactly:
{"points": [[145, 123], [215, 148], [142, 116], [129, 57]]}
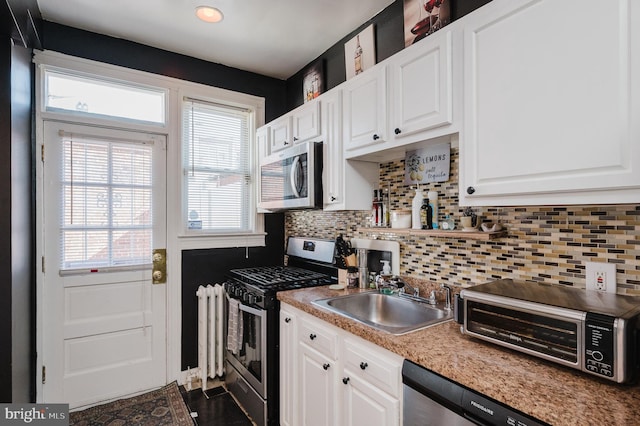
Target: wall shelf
{"points": [[469, 235]]}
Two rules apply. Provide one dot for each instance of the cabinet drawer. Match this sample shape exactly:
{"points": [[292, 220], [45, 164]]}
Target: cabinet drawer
{"points": [[318, 337], [374, 365]]}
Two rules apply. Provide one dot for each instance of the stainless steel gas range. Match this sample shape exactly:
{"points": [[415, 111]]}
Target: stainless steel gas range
{"points": [[252, 357]]}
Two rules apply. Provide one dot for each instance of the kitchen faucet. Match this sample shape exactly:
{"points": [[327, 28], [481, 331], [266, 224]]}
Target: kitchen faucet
{"points": [[415, 292], [395, 281], [447, 299]]}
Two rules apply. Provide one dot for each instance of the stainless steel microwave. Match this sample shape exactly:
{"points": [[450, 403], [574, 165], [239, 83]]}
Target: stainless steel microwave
{"points": [[292, 178], [591, 331]]}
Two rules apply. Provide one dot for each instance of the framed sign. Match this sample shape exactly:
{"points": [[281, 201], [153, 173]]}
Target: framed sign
{"points": [[360, 52], [426, 165], [424, 17], [313, 81]]}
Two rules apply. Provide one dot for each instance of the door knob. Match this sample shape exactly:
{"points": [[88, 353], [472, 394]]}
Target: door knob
{"points": [[470, 190], [312, 336], [345, 380], [397, 131], [363, 365], [326, 366]]}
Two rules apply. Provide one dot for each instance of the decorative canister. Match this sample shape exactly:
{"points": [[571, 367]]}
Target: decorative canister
{"points": [[401, 219]]}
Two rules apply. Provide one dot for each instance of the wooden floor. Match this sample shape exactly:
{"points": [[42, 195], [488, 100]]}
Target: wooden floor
{"points": [[220, 409]]}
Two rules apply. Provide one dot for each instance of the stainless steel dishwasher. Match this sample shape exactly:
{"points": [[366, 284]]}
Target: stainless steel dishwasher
{"points": [[431, 400]]}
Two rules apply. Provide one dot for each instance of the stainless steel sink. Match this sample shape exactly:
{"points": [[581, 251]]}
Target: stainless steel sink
{"points": [[391, 313]]}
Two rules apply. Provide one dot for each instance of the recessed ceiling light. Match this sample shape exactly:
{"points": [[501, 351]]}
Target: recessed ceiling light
{"points": [[209, 14]]}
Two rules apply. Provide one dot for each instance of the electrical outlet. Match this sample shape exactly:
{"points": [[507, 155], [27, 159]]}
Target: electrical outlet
{"points": [[601, 276]]}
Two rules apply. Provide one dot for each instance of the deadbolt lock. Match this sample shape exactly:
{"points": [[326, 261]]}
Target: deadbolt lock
{"points": [[159, 272]]}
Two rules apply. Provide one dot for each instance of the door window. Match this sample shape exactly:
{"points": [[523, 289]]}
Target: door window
{"points": [[106, 202]]}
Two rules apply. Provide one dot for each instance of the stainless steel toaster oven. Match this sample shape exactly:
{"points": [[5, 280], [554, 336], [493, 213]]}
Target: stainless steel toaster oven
{"points": [[591, 331]]}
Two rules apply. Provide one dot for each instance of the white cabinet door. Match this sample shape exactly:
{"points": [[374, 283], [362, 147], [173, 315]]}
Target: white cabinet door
{"points": [[318, 376], [333, 168], [280, 133], [364, 404], [552, 100], [365, 110], [288, 356], [306, 121], [347, 185], [262, 141], [421, 86]]}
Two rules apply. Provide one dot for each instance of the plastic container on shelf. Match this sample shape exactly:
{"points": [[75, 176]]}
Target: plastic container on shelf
{"points": [[416, 204]]}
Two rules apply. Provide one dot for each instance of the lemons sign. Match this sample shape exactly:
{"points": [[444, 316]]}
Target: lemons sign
{"points": [[428, 164]]}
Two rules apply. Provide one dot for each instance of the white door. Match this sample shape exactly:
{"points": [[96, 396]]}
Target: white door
{"points": [[104, 211]]}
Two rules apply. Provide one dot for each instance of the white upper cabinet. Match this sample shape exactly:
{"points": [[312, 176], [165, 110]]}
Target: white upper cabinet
{"points": [[552, 103], [306, 121], [347, 185], [365, 110], [333, 167], [262, 140], [407, 99], [421, 86], [280, 134], [300, 125]]}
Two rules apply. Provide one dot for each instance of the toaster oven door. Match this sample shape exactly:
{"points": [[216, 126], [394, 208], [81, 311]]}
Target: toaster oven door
{"points": [[545, 335]]}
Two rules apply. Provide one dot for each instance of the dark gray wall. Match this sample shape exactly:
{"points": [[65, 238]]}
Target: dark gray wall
{"points": [[5, 219], [17, 265], [22, 228]]}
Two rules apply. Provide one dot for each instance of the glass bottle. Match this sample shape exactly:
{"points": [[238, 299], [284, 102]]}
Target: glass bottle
{"points": [[375, 209], [426, 214]]}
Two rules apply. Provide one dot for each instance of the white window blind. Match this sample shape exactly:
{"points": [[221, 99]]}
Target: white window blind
{"points": [[106, 203], [216, 167]]}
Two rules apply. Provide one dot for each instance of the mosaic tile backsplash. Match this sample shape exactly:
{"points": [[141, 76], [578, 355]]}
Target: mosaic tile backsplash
{"points": [[544, 243]]}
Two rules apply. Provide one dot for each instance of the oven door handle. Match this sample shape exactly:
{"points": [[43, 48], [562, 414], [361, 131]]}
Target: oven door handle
{"points": [[262, 313]]}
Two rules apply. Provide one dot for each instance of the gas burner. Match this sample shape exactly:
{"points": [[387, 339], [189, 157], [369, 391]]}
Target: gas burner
{"points": [[280, 277]]}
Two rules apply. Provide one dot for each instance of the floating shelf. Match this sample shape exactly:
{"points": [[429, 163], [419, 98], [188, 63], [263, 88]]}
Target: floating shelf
{"points": [[469, 235]]}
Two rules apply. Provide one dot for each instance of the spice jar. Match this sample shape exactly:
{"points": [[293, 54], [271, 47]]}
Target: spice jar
{"points": [[352, 277]]}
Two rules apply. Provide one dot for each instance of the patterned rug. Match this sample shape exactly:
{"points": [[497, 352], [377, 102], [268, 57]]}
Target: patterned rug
{"points": [[163, 406]]}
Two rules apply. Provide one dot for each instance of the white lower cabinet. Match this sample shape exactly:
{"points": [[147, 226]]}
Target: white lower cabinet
{"points": [[334, 377], [317, 377], [288, 355], [366, 405]]}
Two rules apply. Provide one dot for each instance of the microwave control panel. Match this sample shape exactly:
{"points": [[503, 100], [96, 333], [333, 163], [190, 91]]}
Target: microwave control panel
{"points": [[599, 342]]}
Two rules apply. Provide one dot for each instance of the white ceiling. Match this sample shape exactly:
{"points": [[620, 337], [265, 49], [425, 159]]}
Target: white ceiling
{"points": [[276, 38]]}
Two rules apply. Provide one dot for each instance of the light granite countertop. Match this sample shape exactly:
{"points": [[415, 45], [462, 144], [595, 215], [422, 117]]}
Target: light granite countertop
{"points": [[552, 393]]}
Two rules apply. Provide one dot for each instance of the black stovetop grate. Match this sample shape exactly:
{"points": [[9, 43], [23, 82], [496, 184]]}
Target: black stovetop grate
{"points": [[276, 275]]}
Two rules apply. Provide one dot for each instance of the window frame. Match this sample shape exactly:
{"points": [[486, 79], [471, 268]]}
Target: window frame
{"points": [[107, 81], [253, 220], [176, 91]]}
